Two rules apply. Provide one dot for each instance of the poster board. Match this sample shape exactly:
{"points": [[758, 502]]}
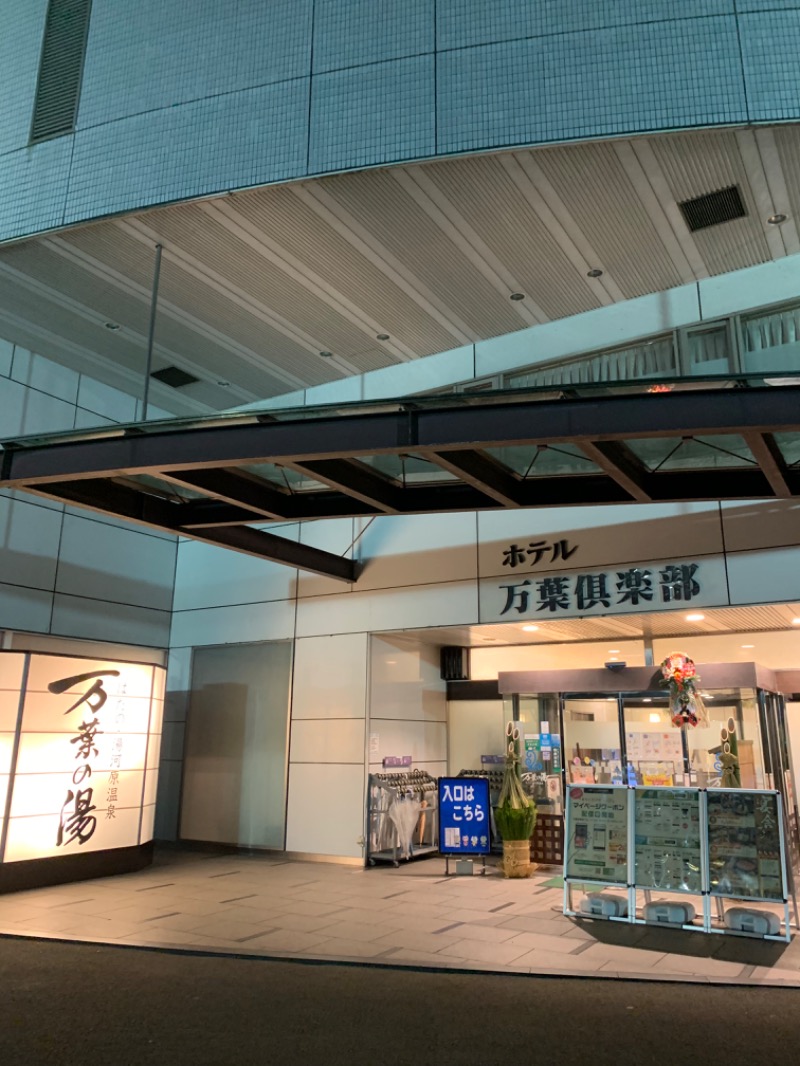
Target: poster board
{"points": [[745, 845], [464, 812], [597, 834], [654, 747], [668, 839]]}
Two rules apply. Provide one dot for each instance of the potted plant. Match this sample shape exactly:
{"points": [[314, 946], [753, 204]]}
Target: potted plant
{"points": [[515, 815]]}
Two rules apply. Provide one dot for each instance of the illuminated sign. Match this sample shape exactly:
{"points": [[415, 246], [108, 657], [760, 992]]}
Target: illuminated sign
{"points": [[80, 741]]}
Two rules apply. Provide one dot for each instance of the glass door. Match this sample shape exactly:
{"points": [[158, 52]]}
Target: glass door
{"points": [[592, 741], [656, 753]]}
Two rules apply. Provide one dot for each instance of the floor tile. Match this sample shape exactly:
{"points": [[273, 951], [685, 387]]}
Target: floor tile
{"points": [[478, 951]]}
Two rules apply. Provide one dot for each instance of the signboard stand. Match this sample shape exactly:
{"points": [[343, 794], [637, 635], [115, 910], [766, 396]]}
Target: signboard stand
{"points": [[597, 847], [668, 826], [464, 819], [725, 844]]}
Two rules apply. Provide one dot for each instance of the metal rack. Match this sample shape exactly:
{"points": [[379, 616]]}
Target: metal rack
{"points": [[386, 790]]}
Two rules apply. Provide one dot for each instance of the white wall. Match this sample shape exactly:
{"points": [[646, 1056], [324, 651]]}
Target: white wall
{"points": [[63, 570]]}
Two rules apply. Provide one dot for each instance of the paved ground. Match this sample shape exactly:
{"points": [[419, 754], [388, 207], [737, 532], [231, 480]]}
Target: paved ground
{"points": [[73, 1005], [268, 906]]}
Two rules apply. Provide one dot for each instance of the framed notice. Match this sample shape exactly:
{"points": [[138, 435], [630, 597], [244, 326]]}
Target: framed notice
{"points": [[668, 839], [597, 834], [464, 816], [745, 845]]}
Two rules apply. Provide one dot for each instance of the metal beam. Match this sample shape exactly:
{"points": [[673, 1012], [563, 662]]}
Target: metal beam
{"points": [[768, 456], [396, 431], [620, 464], [280, 550], [356, 480], [99, 495], [238, 489], [482, 472], [733, 483]]}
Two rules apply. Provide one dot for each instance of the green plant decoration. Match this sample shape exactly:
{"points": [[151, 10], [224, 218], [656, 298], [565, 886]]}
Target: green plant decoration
{"points": [[515, 815]]}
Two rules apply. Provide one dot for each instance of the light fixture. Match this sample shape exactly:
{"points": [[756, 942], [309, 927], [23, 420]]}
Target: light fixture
{"points": [[113, 326], [748, 645], [655, 717], [776, 219], [613, 651], [594, 273], [529, 629], [517, 296], [695, 617], [382, 336], [796, 621], [326, 355], [707, 695], [647, 699]]}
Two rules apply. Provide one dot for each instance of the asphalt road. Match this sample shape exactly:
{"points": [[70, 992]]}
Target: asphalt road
{"points": [[85, 1005]]}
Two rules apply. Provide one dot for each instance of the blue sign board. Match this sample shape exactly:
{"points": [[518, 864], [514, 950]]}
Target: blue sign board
{"points": [[464, 816]]}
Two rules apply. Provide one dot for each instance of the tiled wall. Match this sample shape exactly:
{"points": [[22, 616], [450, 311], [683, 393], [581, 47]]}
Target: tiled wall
{"points": [[179, 102], [65, 571]]}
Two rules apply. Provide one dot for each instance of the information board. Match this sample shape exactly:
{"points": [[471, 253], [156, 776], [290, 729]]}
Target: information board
{"points": [[745, 844], [464, 812], [597, 834], [668, 840]]}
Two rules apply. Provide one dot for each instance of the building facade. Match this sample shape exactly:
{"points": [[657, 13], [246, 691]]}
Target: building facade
{"points": [[502, 195]]}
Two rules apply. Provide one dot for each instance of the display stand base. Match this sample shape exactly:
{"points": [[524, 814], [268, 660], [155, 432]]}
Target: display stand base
{"points": [[459, 861]]}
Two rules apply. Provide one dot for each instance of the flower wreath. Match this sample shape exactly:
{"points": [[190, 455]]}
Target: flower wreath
{"points": [[679, 674]]}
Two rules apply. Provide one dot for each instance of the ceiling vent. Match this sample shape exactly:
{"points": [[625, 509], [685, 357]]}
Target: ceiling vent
{"points": [[174, 377], [60, 68], [713, 208]]}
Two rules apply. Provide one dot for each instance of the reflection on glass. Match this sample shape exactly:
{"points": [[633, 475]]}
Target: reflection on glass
{"points": [[282, 478], [592, 748], [546, 460], [789, 444], [408, 469], [693, 453]]}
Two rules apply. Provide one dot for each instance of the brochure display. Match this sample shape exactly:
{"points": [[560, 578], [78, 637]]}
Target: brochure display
{"points": [[744, 845], [667, 851], [597, 834], [713, 844]]}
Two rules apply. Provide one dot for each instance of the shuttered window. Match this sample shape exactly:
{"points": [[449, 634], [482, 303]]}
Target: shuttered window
{"points": [[60, 68]]}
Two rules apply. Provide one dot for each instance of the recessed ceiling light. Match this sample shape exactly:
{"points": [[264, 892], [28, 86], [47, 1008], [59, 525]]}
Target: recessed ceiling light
{"points": [[530, 629], [748, 645], [695, 617], [113, 326], [796, 621], [613, 651], [382, 336], [647, 699], [326, 355], [517, 296], [776, 219], [594, 273]]}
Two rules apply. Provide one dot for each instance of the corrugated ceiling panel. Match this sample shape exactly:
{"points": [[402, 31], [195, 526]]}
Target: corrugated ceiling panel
{"points": [[317, 246], [425, 250], [483, 192], [787, 139], [702, 163], [595, 189], [205, 240]]}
